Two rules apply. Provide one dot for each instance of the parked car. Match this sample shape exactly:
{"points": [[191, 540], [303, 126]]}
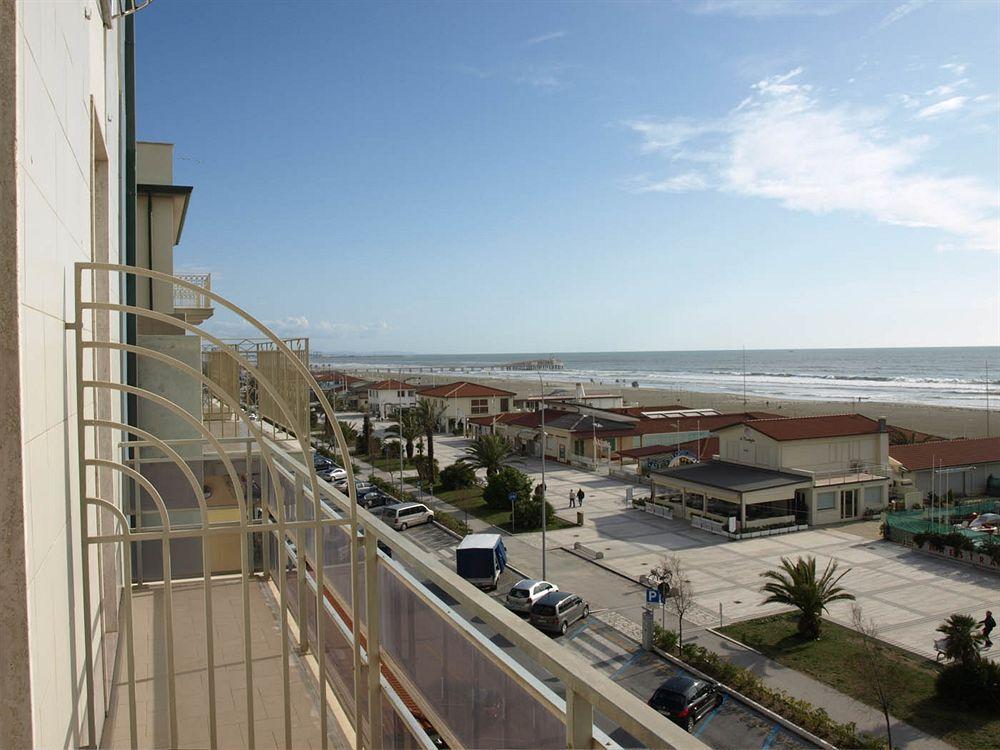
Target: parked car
{"points": [[333, 474], [557, 610], [321, 462], [375, 499], [685, 700], [403, 515], [526, 592]]}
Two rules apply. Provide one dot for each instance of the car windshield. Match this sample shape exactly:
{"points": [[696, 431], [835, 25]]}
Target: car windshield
{"points": [[669, 700], [545, 610], [519, 593]]}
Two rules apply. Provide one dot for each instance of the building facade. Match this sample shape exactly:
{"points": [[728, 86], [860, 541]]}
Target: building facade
{"points": [[462, 400]]}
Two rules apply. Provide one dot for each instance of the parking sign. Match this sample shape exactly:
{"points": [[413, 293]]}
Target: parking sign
{"points": [[653, 597]]}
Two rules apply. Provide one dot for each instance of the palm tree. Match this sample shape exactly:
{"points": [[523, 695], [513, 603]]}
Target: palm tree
{"points": [[962, 639], [428, 414], [409, 428], [490, 452], [796, 584]]}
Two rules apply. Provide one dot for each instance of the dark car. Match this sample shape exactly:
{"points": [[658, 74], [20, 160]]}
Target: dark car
{"points": [[375, 499], [557, 610], [321, 462], [685, 699]]}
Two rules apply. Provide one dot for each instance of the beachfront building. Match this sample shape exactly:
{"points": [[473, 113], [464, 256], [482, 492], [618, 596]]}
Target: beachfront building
{"points": [[388, 397], [784, 472], [462, 400], [560, 397], [301, 644], [335, 381], [960, 467]]}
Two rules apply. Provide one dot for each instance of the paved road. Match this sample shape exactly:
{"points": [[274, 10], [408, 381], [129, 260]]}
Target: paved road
{"points": [[732, 725]]}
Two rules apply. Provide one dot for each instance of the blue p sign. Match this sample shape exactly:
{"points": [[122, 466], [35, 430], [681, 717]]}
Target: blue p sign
{"points": [[512, 496], [653, 596]]}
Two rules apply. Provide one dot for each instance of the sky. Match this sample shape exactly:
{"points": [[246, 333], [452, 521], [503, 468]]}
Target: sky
{"points": [[489, 177]]}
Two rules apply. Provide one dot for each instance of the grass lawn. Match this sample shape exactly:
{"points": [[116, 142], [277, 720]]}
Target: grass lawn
{"points": [[389, 464], [471, 500], [828, 660]]}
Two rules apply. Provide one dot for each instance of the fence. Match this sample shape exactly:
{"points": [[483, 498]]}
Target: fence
{"points": [[938, 519]]}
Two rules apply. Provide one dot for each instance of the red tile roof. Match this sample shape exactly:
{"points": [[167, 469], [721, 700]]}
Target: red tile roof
{"points": [[808, 428], [463, 389], [391, 385], [519, 418], [947, 453], [688, 424], [703, 449]]}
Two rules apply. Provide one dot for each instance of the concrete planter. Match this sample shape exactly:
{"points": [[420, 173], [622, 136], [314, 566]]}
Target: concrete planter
{"points": [[973, 559]]}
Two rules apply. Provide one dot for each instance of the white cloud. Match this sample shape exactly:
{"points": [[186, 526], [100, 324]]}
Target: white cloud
{"points": [[546, 37], [901, 11], [298, 325], [766, 8], [942, 107], [783, 143], [956, 68], [687, 182]]}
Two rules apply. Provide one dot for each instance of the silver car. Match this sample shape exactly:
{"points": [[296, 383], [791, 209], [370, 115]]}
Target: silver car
{"points": [[526, 592]]}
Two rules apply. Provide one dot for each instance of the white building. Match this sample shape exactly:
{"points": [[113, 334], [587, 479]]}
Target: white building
{"points": [[388, 397]]}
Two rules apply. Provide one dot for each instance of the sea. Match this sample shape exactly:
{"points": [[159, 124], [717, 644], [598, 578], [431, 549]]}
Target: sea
{"points": [[939, 376]]}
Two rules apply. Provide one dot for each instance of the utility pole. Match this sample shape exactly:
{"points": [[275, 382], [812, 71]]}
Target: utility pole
{"points": [[988, 399], [541, 386], [744, 375]]}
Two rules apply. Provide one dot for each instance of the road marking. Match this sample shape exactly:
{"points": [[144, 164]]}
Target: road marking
{"points": [[711, 715], [581, 631], [771, 737], [631, 660]]}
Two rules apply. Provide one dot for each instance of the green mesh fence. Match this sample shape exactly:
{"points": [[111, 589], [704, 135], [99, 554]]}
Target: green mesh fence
{"points": [[903, 524]]}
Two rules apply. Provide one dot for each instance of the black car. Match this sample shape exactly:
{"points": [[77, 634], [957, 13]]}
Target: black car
{"points": [[375, 499], [685, 699], [321, 462]]}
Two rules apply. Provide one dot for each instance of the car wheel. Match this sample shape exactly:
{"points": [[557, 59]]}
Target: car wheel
{"points": [[586, 610], [402, 527], [564, 627], [689, 724]]}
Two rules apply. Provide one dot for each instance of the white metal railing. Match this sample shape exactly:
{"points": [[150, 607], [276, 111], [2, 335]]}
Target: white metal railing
{"points": [[186, 297], [365, 620]]}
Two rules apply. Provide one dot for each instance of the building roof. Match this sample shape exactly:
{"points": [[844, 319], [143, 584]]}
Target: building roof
{"points": [[576, 422], [808, 428], [336, 377], [690, 424], [733, 477], [944, 453], [702, 449], [391, 385], [463, 389], [521, 418], [637, 411]]}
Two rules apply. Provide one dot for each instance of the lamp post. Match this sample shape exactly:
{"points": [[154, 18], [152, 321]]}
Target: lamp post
{"points": [[541, 386]]}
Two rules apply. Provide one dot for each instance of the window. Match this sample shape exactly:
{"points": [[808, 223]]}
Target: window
{"points": [[505, 404], [873, 497], [826, 500], [577, 447], [562, 452], [480, 406]]}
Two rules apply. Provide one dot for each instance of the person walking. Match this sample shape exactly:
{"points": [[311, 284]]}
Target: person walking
{"points": [[988, 624], [572, 499], [579, 496]]}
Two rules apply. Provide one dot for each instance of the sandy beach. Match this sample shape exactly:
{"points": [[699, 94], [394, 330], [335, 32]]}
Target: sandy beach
{"points": [[948, 422]]}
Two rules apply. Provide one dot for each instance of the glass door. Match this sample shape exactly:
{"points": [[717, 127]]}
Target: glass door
{"points": [[848, 503]]}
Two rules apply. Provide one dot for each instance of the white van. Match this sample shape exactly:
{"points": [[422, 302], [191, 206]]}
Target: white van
{"points": [[403, 515]]}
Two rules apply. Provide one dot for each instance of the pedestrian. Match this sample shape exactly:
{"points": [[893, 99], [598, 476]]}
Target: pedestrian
{"points": [[988, 624], [580, 496], [572, 499]]}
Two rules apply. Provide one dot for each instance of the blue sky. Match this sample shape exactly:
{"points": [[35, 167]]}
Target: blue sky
{"points": [[472, 177]]}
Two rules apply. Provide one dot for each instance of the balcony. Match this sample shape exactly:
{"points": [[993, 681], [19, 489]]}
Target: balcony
{"points": [[256, 606], [194, 305]]}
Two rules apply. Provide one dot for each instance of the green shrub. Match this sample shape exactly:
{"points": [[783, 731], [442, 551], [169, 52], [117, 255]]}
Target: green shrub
{"points": [[423, 466], [453, 524], [500, 485], [528, 513], [664, 639], [976, 686], [458, 476]]}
